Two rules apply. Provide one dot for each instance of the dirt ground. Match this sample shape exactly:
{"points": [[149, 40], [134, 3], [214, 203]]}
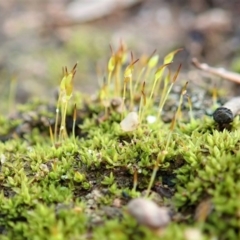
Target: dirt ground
{"points": [[39, 37]]}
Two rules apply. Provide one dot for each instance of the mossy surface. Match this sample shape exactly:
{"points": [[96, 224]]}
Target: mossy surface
{"points": [[78, 189]]}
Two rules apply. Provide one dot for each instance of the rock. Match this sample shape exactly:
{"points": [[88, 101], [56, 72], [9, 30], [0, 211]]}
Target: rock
{"points": [[148, 213], [83, 11], [193, 233], [130, 122], [117, 104]]}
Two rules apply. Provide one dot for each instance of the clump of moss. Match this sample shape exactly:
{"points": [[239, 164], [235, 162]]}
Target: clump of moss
{"points": [[60, 183]]}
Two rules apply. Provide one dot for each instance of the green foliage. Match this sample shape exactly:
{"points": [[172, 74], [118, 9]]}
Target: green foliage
{"points": [[45, 222], [108, 180], [78, 188], [212, 171]]}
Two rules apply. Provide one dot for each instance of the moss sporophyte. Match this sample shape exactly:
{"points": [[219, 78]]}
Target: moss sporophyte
{"points": [[135, 161]]}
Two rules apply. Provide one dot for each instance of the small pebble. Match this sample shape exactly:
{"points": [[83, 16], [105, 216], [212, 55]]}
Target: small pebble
{"points": [[2, 158], [193, 234], [44, 168], [148, 213], [151, 119], [117, 104], [223, 115], [130, 122], [96, 194], [117, 202]]}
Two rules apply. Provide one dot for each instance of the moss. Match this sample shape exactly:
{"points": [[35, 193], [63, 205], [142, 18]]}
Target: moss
{"points": [[77, 187], [212, 172]]}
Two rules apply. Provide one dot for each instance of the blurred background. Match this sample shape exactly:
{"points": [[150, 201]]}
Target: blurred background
{"points": [[39, 37]]}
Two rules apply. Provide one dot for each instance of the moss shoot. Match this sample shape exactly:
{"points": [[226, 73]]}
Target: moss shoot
{"points": [[68, 170]]}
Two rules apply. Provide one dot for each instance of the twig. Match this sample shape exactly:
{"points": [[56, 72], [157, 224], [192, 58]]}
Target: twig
{"points": [[220, 72]]}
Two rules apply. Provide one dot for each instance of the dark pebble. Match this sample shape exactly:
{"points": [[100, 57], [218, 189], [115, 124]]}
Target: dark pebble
{"points": [[223, 115]]}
